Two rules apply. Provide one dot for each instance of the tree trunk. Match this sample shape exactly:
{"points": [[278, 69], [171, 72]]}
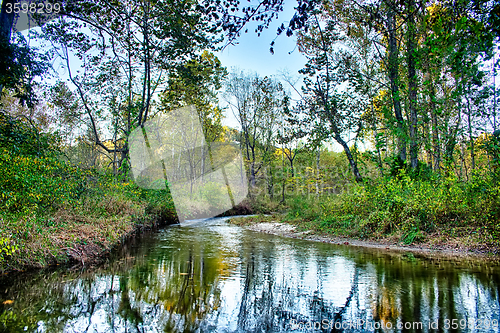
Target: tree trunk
{"points": [[471, 139], [426, 138], [463, 165], [284, 178], [318, 153], [253, 182], [377, 143], [270, 181], [451, 140], [392, 67], [435, 161], [435, 133], [352, 162], [253, 172], [412, 85], [6, 23]]}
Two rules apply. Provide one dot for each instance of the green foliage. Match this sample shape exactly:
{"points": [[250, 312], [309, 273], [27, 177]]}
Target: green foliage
{"points": [[405, 207], [7, 248], [196, 82], [160, 204], [100, 217], [492, 147], [31, 176], [19, 64], [21, 138], [28, 182]]}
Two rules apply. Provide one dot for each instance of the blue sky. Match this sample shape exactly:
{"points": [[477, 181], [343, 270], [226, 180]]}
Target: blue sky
{"points": [[251, 53]]}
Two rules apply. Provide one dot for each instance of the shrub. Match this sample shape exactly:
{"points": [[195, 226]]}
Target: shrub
{"points": [[29, 182], [406, 207]]}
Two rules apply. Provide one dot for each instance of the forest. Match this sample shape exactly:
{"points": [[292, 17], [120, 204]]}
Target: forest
{"points": [[390, 131]]}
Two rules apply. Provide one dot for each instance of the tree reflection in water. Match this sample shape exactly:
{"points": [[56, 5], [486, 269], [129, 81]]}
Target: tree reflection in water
{"points": [[212, 276]]}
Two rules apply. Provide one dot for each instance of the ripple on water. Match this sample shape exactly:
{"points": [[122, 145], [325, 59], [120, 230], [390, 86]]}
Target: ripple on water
{"points": [[208, 275]]}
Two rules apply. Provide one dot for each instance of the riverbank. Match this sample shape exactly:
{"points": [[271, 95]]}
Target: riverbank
{"points": [[82, 233], [436, 244], [82, 241]]}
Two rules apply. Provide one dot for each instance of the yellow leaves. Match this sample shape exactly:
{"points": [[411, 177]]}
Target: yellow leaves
{"points": [[7, 248], [282, 152], [434, 9], [310, 170], [483, 138]]}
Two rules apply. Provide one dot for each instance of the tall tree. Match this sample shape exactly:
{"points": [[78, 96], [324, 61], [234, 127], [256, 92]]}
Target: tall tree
{"points": [[256, 103], [411, 55], [324, 82], [132, 45]]}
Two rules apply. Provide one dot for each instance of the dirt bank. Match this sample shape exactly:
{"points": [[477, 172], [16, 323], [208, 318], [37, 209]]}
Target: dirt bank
{"points": [[94, 252], [77, 240], [434, 248]]}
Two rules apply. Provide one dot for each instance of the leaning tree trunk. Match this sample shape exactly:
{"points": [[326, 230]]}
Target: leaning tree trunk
{"points": [[352, 162], [394, 81]]}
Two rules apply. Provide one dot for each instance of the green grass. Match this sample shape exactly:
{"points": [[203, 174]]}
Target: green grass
{"points": [[407, 210], [41, 232]]}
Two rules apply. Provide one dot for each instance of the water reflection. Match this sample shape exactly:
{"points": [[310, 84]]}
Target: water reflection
{"points": [[211, 276]]}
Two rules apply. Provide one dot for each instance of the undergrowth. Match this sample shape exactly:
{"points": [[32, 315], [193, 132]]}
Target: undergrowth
{"points": [[41, 226], [407, 209]]}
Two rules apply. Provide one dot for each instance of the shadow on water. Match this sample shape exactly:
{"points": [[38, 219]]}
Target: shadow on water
{"points": [[207, 276]]}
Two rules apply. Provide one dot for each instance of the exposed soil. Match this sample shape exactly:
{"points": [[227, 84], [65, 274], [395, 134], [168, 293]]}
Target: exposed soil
{"points": [[435, 247], [94, 253]]}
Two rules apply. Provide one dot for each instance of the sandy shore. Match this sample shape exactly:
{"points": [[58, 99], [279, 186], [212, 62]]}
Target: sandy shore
{"points": [[288, 230]]}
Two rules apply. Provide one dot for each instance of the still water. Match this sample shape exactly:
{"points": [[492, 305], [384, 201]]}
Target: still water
{"points": [[210, 276]]}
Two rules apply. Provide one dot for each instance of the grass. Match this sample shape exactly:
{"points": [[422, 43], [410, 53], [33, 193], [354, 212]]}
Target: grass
{"points": [[53, 211], [248, 220], [101, 217], [434, 212]]}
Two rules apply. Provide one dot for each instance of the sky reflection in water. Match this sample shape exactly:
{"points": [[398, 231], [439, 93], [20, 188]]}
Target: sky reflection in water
{"points": [[211, 276]]}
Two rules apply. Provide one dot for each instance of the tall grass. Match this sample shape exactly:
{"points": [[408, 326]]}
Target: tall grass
{"points": [[406, 208]]}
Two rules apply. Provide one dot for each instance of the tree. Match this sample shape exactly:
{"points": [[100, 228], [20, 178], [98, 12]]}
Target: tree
{"points": [[456, 38], [129, 51], [256, 103], [329, 93], [197, 83], [290, 132]]}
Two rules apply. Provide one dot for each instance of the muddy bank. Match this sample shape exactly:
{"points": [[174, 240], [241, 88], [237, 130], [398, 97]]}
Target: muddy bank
{"points": [[451, 248], [94, 253], [80, 241]]}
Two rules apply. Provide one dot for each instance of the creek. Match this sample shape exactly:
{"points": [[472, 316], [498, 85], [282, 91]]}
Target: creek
{"points": [[212, 276]]}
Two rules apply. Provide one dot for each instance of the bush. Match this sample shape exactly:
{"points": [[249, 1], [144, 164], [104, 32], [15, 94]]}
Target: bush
{"points": [[29, 182], [21, 138], [406, 207]]}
